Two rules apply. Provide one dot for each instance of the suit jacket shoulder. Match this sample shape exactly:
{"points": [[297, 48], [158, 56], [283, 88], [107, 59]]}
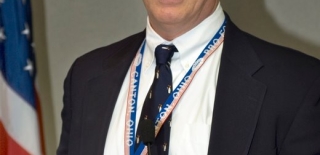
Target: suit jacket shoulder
{"points": [[267, 99], [90, 92], [104, 57]]}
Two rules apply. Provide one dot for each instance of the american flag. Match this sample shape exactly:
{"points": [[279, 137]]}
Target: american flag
{"points": [[19, 120]]}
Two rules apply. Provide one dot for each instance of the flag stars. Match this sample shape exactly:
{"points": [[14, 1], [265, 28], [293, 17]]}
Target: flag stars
{"points": [[2, 36], [26, 31], [29, 67]]}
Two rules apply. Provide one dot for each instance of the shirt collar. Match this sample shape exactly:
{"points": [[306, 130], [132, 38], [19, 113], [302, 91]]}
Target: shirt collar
{"points": [[189, 44]]}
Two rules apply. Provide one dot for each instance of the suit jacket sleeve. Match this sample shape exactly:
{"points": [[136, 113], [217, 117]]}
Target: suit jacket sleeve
{"points": [[66, 116]]}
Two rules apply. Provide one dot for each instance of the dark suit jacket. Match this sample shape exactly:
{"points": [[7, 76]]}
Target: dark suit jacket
{"points": [[267, 100]]}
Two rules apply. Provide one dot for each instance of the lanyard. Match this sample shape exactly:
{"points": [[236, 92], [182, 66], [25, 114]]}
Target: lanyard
{"points": [[172, 100]]}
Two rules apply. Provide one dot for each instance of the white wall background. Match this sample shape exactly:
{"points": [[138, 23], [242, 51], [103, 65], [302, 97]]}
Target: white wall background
{"points": [[66, 29], [292, 23]]}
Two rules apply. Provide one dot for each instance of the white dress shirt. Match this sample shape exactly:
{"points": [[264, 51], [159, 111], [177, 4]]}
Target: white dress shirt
{"points": [[192, 117]]}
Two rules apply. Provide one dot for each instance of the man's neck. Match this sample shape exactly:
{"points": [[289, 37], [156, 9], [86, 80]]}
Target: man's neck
{"points": [[172, 31]]}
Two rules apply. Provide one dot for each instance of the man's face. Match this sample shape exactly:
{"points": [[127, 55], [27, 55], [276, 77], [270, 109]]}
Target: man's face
{"points": [[178, 12]]}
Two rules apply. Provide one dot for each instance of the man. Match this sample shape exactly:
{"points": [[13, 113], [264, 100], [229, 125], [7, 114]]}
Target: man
{"points": [[244, 96]]}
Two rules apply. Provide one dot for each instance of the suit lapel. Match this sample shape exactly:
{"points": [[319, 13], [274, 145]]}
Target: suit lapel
{"points": [[238, 97], [102, 93]]}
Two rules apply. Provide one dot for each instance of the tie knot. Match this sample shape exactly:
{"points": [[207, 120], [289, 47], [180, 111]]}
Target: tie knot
{"points": [[164, 53]]}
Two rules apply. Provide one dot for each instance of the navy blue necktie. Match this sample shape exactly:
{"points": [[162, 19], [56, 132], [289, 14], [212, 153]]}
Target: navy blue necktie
{"points": [[156, 97]]}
